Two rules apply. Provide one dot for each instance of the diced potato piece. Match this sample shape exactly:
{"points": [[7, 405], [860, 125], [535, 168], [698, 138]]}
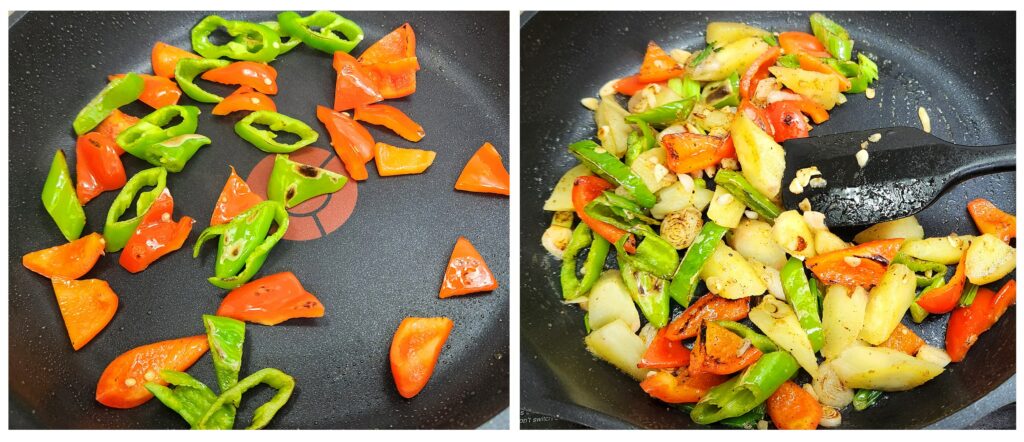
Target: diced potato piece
{"points": [[825, 242], [616, 344], [944, 250], [989, 259], [730, 276], [888, 303], [650, 167], [725, 210], [612, 129], [753, 239], [762, 160], [733, 57], [792, 234], [722, 33], [701, 198], [561, 197], [880, 368], [934, 355], [821, 88], [609, 300], [906, 228], [778, 321], [842, 317], [671, 199]]}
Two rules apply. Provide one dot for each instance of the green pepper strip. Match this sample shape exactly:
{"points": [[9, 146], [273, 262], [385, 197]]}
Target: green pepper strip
{"points": [[835, 39], [572, 287], [186, 71], [623, 208], [640, 143], [286, 45], [789, 61], [740, 188], [731, 99], [117, 93], [609, 167], [770, 39], [684, 282], [702, 55], [762, 342], [293, 183], [252, 42], [264, 139], [743, 393], [921, 266], [174, 153], [283, 383], [748, 420], [191, 399], [654, 254], [60, 199], [803, 300], [969, 293], [866, 75], [324, 39], [918, 313], [684, 87], [244, 243], [865, 398], [150, 130], [226, 336], [666, 113], [647, 290], [116, 233]]}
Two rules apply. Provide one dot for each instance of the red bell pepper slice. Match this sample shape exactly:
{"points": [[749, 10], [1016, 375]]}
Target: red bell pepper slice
{"points": [[398, 44], [394, 79], [484, 173], [814, 110], [990, 219], [98, 166], [966, 324], [720, 351], [68, 261], [467, 272], [86, 306], [658, 65], [757, 115], [873, 258], [709, 307], [794, 42], [391, 118], [683, 388], [271, 300], [811, 63], [629, 85], [664, 353], [414, 352], [351, 141], [687, 152], [122, 384], [354, 86], [244, 99], [757, 71], [165, 57], [157, 91], [943, 299], [235, 198], [259, 76], [787, 120], [156, 236], [584, 190], [113, 125]]}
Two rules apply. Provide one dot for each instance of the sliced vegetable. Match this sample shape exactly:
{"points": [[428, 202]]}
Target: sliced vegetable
{"points": [[787, 120], [292, 183], [259, 76], [729, 275], [762, 160], [803, 301], [354, 87], [165, 58], [862, 265], [743, 393], [904, 340], [272, 377], [188, 69], [484, 173], [682, 388], [117, 93], [988, 259], [906, 228], [245, 243], [271, 300], [61, 200], [244, 99], [779, 322], [116, 123], [318, 30], [157, 91], [742, 190], [156, 235], [117, 232], [122, 384], [687, 152], [585, 190], [795, 42], [190, 398], [943, 299], [351, 141], [757, 71], [616, 344], [657, 65], [265, 139], [226, 337], [708, 308], [414, 352], [66, 261], [250, 41], [888, 303], [665, 353], [235, 198], [572, 286], [467, 272], [610, 301], [98, 166], [392, 118], [793, 408], [835, 39], [842, 317], [966, 324], [884, 369], [86, 306], [684, 281], [720, 351]]}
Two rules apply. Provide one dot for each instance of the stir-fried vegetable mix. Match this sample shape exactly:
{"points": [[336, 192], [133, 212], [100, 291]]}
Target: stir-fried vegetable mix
{"points": [[684, 183]]}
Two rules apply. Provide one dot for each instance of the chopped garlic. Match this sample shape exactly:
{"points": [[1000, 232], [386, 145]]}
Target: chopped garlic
{"points": [[864, 145], [805, 174], [870, 93], [750, 214], [710, 171], [659, 171], [805, 205], [686, 181], [589, 103], [730, 164], [608, 88], [761, 424], [814, 220], [725, 199], [862, 158], [795, 187], [852, 261], [875, 137], [818, 182], [926, 123]]}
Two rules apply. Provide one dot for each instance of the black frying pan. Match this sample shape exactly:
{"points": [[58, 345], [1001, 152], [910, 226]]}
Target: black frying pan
{"points": [[958, 65], [384, 264]]}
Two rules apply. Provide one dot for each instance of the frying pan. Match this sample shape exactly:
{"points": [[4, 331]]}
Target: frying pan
{"points": [[958, 65], [384, 264]]}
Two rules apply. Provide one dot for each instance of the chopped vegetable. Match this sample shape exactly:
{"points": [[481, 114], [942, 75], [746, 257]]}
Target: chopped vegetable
{"points": [[86, 306], [966, 324], [235, 198], [743, 393], [414, 352], [61, 200], [271, 300], [122, 384], [66, 261], [392, 161], [245, 243], [292, 183], [484, 173], [793, 408], [156, 235], [467, 273], [862, 265], [708, 308]]}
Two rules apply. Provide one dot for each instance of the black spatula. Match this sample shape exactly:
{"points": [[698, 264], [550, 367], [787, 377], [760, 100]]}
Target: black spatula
{"points": [[907, 168]]}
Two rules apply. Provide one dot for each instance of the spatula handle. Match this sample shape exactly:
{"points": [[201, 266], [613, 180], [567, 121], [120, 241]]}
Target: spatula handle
{"points": [[988, 159]]}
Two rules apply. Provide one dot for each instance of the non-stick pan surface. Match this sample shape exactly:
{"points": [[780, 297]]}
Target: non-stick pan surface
{"points": [[384, 264], [960, 66]]}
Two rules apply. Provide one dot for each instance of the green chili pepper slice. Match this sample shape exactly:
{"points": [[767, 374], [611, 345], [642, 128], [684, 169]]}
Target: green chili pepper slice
{"points": [[865, 398], [867, 73], [969, 293], [117, 233], [580, 239], [324, 39], [743, 393], [609, 167], [762, 342], [117, 93], [244, 243], [653, 255], [60, 199], [292, 183], [803, 300], [226, 336], [938, 271], [648, 291], [286, 45], [252, 42], [835, 39], [666, 113], [283, 383], [172, 154], [740, 188], [748, 420], [723, 93], [264, 139], [684, 281], [186, 71], [918, 313], [150, 129], [641, 143], [191, 399], [788, 61]]}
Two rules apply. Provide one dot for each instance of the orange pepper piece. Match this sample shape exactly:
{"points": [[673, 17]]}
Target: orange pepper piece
{"points": [[122, 384], [393, 160], [348, 139], [271, 300], [165, 57], [391, 118], [683, 388], [467, 272], [811, 63], [484, 173], [794, 42], [398, 44], [709, 307], [157, 91], [414, 352], [658, 65], [584, 190], [757, 71], [235, 198], [392, 63], [793, 408], [903, 340], [966, 324], [87, 306], [717, 351], [114, 124], [664, 353], [688, 152], [354, 86], [244, 99], [98, 166], [873, 258], [157, 235], [259, 76], [68, 261], [990, 219]]}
